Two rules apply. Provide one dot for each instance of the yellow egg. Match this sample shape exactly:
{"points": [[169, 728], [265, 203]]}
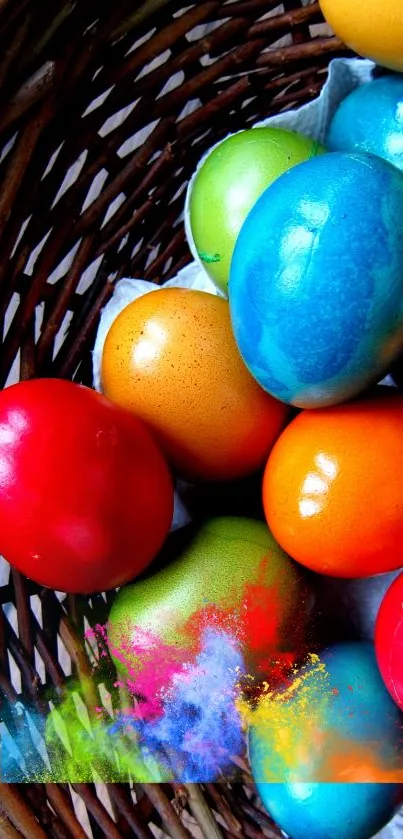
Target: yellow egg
{"points": [[373, 28], [171, 358]]}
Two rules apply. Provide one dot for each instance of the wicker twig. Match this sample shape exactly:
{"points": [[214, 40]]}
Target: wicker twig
{"points": [[62, 806], [217, 794], [19, 162], [14, 49], [145, 11], [97, 810], [16, 810], [201, 811], [7, 830], [170, 819], [124, 804], [23, 613], [31, 92], [57, 312], [300, 52]]}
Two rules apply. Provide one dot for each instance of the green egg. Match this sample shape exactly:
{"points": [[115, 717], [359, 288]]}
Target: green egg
{"points": [[233, 576], [229, 182]]}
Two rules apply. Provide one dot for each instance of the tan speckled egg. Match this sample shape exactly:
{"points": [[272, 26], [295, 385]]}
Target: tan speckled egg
{"points": [[171, 358]]}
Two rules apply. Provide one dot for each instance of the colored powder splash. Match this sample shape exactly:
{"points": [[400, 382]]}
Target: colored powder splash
{"points": [[286, 726], [201, 728], [149, 665], [23, 753], [193, 736], [269, 634], [292, 736]]}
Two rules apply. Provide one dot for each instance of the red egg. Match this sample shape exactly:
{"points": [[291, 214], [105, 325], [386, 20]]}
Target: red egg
{"points": [[86, 498], [389, 640]]}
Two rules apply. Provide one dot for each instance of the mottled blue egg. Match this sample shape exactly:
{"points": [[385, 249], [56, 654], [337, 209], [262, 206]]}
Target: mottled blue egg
{"points": [[330, 811], [370, 119], [337, 722], [316, 280]]}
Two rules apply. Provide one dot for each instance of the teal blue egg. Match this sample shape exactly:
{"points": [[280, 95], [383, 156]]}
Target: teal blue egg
{"points": [[316, 279], [330, 811], [370, 119], [344, 724]]}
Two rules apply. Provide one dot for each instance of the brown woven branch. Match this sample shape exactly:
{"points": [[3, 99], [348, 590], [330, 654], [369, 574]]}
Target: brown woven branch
{"points": [[201, 811], [124, 805], [23, 614], [138, 160], [14, 49], [56, 314], [192, 123], [250, 8], [35, 794], [77, 654], [15, 808], [301, 52], [296, 17], [19, 161], [146, 11], [57, 22], [18, 6], [7, 830], [162, 41], [167, 813], [31, 92], [217, 794], [61, 804], [98, 811], [29, 676], [66, 360]]}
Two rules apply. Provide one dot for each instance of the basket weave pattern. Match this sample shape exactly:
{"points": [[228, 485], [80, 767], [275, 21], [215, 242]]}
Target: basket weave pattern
{"points": [[105, 110]]}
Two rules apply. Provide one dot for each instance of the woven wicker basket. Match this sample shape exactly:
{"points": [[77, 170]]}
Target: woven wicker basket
{"points": [[105, 110]]}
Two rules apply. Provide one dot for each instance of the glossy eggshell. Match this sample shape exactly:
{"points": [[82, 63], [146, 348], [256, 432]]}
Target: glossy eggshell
{"points": [[233, 569], [330, 811], [370, 119], [333, 488], [228, 183], [86, 498], [341, 723], [372, 28], [389, 640], [171, 358], [316, 284]]}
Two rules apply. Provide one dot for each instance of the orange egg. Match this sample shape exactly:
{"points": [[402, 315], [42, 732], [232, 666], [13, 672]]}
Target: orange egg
{"points": [[333, 488], [171, 358]]}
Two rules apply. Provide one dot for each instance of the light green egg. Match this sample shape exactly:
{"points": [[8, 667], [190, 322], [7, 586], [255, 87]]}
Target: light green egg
{"points": [[229, 182], [233, 575]]}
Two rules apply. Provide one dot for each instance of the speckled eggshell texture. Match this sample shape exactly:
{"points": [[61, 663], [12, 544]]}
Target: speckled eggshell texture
{"points": [[171, 358], [372, 28], [333, 488], [232, 576], [370, 119], [316, 283]]}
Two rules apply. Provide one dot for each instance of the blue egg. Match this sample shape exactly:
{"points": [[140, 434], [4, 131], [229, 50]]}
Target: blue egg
{"points": [[342, 719], [316, 279], [361, 710], [330, 811], [370, 119], [339, 715]]}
